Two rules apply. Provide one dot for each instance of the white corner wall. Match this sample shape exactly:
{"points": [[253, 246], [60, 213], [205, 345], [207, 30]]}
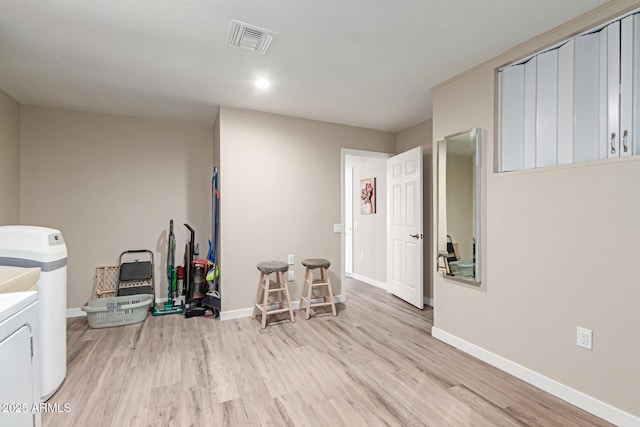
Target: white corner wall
{"points": [[111, 184], [560, 247], [9, 160], [370, 230]]}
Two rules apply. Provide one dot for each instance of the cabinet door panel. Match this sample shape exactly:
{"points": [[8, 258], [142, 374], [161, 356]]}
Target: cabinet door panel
{"points": [[547, 109], [613, 89], [511, 118], [530, 83], [626, 86], [636, 84], [565, 102], [603, 140], [587, 98]]}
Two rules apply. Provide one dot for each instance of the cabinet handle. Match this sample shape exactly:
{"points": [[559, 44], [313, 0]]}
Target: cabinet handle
{"points": [[624, 141], [613, 147]]}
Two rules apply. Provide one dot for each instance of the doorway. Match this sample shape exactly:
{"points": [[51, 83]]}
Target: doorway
{"points": [[354, 255], [364, 237]]}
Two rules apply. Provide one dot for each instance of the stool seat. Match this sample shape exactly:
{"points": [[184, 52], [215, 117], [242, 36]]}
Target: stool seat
{"points": [[313, 263], [323, 283], [268, 267], [279, 288]]}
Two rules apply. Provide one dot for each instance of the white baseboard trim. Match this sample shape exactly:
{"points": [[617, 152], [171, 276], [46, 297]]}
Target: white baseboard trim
{"points": [[247, 312], [568, 394], [370, 281], [236, 314], [428, 301], [75, 312], [224, 315]]}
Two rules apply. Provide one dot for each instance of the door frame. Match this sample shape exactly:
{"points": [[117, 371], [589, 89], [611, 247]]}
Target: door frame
{"points": [[343, 153], [348, 235]]}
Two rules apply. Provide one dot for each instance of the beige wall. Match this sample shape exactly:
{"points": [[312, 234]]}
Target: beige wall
{"points": [[9, 160], [281, 195], [422, 135], [216, 141], [113, 183], [418, 135], [561, 248]]}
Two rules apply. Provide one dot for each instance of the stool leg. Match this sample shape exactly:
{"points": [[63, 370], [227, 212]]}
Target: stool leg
{"points": [[333, 303], [309, 293], [255, 308], [323, 278], [280, 284], [286, 291], [304, 290], [265, 302]]}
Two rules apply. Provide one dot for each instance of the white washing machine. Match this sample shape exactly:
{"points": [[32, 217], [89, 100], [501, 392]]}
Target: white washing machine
{"points": [[32, 247], [19, 379]]}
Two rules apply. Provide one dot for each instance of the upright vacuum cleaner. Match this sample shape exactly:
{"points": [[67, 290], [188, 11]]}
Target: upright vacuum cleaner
{"points": [[171, 306], [194, 282]]}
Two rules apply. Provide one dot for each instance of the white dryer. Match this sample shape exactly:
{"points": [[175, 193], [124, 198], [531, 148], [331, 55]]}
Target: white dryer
{"points": [[24, 246], [19, 376]]}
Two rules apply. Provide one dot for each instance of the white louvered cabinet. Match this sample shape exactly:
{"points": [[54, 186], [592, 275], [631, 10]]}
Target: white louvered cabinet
{"points": [[578, 101], [547, 109], [512, 104]]}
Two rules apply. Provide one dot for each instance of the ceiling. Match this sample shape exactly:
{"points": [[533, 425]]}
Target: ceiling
{"points": [[368, 63]]}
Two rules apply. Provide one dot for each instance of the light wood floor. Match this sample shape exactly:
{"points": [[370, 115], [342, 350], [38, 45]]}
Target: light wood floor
{"points": [[369, 366]]}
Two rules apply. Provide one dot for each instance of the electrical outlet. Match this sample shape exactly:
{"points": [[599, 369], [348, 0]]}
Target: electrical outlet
{"points": [[290, 276], [291, 259], [584, 338], [361, 255]]}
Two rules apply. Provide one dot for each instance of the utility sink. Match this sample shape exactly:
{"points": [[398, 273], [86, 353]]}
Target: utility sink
{"points": [[19, 280]]}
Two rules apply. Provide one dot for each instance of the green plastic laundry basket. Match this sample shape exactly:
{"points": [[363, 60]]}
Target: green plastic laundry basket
{"points": [[117, 311]]}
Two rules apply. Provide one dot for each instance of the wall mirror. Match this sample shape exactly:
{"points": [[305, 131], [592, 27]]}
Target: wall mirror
{"points": [[459, 202]]}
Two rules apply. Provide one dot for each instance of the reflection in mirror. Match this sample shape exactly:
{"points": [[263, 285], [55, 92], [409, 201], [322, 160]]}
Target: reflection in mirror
{"points": [[459, 190]]}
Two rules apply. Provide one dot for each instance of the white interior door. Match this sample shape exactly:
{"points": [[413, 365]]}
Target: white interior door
{"points": [[348, 221], [404, 226]]}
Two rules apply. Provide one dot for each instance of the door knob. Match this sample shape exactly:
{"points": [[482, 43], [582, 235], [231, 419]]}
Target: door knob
{"points": [[624, 140], [417, 236]]}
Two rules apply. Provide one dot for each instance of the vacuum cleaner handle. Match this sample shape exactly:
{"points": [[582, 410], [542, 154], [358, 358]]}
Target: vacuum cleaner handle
{"points": [[171, 253], [189, 249], [193, 248]]}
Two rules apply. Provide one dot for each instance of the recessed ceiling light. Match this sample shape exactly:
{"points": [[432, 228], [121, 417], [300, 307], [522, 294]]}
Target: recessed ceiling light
{"points": [[262, 83]]}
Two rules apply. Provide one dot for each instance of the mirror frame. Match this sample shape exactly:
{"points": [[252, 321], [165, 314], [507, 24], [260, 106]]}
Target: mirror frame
{"points": [[477, 136]]}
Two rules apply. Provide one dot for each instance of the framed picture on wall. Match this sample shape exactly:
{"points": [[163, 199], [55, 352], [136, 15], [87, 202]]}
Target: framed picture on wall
{"points": [[368, 196]]}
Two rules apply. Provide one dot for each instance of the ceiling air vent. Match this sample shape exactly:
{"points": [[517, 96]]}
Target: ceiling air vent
{"points": [[250, 37]]}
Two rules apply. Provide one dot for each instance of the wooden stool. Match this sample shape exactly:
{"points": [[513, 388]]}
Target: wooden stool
{"points": [[310, 265], [265, 286]]}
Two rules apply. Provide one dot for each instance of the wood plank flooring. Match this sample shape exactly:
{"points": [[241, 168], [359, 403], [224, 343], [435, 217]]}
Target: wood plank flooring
{"points": [[369, 366]]}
